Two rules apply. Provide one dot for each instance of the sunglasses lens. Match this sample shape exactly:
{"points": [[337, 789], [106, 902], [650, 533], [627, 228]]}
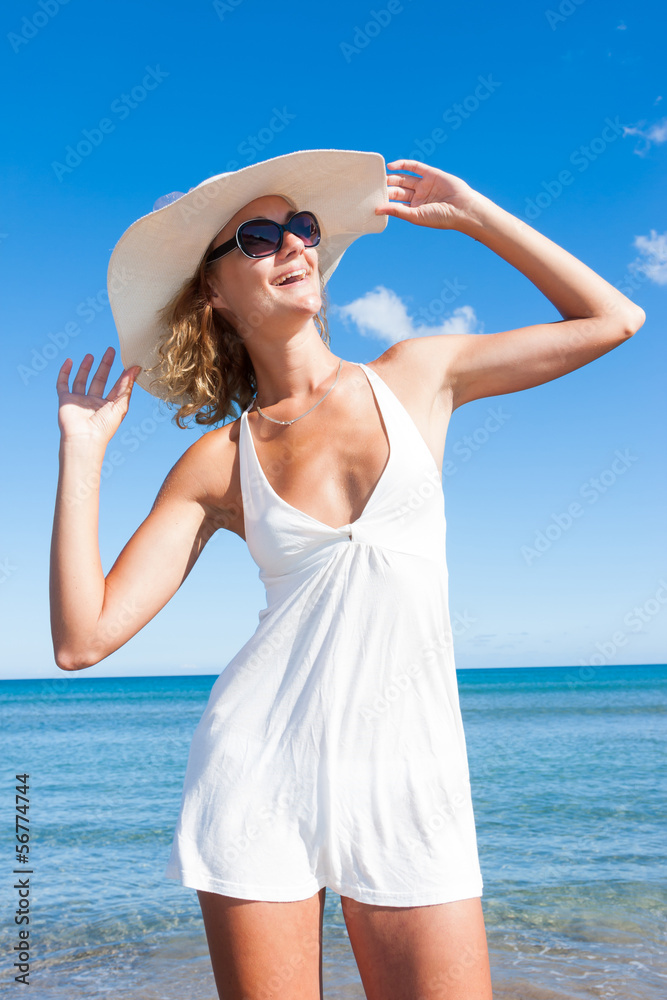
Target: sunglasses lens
{"points": [[304, 225], [260, 239]]}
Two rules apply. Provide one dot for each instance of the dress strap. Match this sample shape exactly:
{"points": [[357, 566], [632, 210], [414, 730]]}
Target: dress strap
{"points": [[404, 428]]}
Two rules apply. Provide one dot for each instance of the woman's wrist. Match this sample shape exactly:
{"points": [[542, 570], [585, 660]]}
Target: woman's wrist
{"points": [[82, 448], [479, 215]]}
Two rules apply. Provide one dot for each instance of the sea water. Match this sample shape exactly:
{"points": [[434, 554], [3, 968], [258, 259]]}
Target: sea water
{"points": [[569, 784]]}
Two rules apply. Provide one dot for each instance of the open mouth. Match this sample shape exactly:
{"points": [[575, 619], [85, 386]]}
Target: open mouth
{"points": [[291, 279]]}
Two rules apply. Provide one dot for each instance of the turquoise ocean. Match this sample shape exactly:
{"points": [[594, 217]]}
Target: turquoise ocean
{"points": [[569, 786]]}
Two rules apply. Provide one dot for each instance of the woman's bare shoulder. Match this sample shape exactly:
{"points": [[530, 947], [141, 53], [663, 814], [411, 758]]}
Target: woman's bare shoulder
{"points": [[407, 368], [211, 463]]}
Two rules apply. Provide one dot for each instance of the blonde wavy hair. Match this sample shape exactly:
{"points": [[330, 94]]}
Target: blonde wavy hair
{"points": [[205, 367]]}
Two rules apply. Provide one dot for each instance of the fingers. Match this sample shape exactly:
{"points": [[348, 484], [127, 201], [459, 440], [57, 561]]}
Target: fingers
{"points": [[62, 382], [79, 383], [124, 384], [402, 180], [413, 165], [397, 210], [99, 380], [101, 375], [398, 193]]}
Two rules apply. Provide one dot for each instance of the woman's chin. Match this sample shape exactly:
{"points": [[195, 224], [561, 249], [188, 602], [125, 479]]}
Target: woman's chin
{"points": [[306, 302]]}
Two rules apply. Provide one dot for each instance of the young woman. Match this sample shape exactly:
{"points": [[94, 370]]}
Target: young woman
{"points": [[331, 751]]}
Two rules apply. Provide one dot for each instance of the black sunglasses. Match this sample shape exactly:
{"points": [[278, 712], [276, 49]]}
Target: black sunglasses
{"points": [[263, 237]]}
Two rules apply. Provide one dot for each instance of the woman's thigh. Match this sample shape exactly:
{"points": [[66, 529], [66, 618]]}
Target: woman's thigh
{"points": [[420, 952], [263, 950]]}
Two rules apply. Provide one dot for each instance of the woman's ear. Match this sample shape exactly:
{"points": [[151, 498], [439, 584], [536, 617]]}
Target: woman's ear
{"points": [[214, 297]]}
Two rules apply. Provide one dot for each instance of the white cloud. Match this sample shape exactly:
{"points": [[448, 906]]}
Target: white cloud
{"points": [[653, 250], [382, 314], [656, 134]]}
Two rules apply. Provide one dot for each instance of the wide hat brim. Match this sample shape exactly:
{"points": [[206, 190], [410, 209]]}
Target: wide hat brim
{"points": [[161, 251]]}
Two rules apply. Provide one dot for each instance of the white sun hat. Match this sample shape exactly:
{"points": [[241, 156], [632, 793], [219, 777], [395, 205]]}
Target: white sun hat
{"points": [[161, 251]]}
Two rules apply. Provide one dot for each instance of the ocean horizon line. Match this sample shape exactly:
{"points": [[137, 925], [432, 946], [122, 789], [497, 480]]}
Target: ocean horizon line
{"points": [[587, 669]]}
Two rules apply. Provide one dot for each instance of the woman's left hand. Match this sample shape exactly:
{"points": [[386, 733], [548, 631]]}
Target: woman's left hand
{"points": [[435, 198]]}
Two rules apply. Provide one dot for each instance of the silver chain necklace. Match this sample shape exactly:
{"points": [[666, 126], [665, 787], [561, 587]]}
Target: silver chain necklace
{"points": [[267, 417]]}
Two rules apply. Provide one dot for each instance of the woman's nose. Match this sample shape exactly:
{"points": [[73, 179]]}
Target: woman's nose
{"points": [[291, 242]]}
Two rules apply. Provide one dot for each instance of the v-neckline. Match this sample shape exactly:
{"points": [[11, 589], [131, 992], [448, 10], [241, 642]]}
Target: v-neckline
{"points": [[376, 488]]}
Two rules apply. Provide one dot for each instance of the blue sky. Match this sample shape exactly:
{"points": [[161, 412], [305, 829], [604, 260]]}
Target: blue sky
{"points": [[556, 113]]}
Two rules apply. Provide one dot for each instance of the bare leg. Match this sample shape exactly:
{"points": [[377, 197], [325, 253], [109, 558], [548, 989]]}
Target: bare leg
{"points": [[260, 950], [420, 952]]}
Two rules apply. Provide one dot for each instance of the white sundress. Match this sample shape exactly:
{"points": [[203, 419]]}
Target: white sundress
{"points": [[331, 751]]}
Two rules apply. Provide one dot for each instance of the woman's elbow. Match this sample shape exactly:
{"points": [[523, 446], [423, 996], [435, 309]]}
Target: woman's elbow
{"points": [[614, 328], [73, 659], [634, 320]]}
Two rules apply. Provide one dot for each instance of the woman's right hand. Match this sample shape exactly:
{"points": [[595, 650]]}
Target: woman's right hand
{"points": [[89, 414]]}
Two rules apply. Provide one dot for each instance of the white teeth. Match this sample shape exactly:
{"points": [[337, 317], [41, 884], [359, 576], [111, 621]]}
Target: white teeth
{"points": [[290, 275]]}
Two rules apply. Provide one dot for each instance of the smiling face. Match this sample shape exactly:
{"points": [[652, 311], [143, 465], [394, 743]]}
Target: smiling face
{"points": [[249, 292]]}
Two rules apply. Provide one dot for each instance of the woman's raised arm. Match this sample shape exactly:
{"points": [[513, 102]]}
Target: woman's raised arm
{"points": [[596, 316], [92, 616]]}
